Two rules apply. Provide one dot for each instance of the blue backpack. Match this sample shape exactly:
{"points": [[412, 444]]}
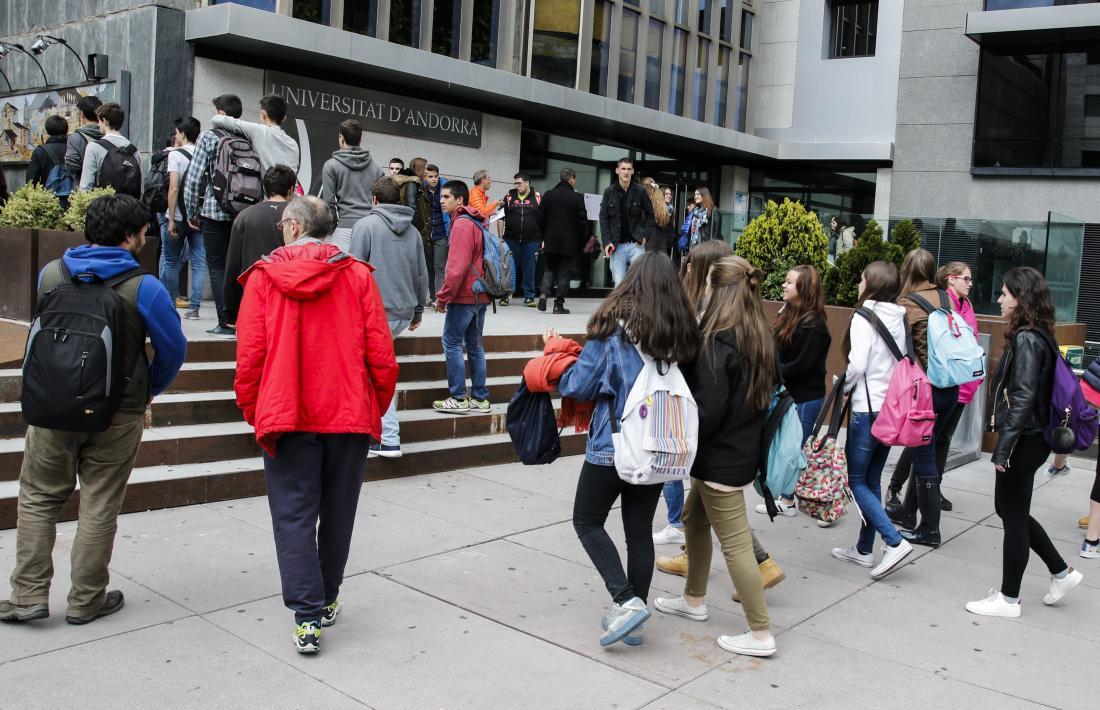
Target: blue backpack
{"points": [[781, 460], [497, 279], [954, 356], [60, 180]]}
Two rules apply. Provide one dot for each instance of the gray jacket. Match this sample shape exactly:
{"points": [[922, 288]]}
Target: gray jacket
{"points": [[387, 239], [272, 144], [75, 146], [346, 180]]}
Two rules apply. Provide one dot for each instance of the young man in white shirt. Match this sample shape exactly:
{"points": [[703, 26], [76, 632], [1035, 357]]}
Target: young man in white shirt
{"points": [[178, 232]]}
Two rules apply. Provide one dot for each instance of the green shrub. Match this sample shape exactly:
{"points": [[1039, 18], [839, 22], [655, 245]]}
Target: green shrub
{"points": [[73, 219], [31, 207], [785, 235], [906, 236], [842, 283]]}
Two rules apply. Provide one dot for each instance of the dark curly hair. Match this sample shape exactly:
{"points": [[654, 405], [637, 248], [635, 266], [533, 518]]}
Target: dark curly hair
{"points": [[1034, 307]]}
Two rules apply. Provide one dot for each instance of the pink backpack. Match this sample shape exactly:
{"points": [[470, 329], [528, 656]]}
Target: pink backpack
{"points": [[906, 417]]}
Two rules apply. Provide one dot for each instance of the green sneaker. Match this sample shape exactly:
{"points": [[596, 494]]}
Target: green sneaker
{"points": [[479, 405], [329, 613], [452, 405], [307, 637]]}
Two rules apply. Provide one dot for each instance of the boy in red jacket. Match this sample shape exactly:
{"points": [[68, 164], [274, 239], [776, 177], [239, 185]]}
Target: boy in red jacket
{"points": [[465, 309], [315, 371]]}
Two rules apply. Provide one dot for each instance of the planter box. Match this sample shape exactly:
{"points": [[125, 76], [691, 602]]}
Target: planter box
{"points": [[26, 251]]}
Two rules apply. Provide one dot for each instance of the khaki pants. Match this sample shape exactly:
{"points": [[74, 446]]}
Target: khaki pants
{"points": [[725, 512], [52, 462]]}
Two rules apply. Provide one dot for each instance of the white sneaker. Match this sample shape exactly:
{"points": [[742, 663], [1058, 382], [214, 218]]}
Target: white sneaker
{"points": [[1059, 587], [671, 535], [679, 607], [891, 558], [1053, 472], [851, 554], [746, 645], [824, 523], [994, 605], [787, 511], [626, 619]]}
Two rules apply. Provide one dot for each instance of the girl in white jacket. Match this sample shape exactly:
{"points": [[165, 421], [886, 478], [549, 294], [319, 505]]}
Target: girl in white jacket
{"points": [[870, 367]]}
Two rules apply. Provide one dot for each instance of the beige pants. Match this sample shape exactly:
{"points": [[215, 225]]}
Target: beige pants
{"points": [[52, 462], [723, 511]]}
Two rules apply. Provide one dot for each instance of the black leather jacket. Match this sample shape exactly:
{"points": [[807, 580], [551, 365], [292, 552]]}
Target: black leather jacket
{"points": [[639, 214], [1021, 395]]}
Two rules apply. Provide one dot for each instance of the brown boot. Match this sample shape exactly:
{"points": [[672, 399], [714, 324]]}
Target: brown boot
{"points": [[675, 565], [1083, 523], [770, 574]]}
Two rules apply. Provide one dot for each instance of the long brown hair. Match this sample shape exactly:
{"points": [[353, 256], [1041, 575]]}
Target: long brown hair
{"points": [[919, 267], [883, 285], [700, 259], [808, 308], [653, 309], [1034, 307], [707, 201], [419, 166], [734, 304], [657, 199]]}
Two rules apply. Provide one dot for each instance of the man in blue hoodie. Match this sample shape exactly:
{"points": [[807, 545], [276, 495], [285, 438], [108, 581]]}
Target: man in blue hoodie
{"points": [[53, 459]]}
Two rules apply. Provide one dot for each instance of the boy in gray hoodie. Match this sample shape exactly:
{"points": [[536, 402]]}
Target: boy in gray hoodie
{"points": [[388, 240], [346, 181]]}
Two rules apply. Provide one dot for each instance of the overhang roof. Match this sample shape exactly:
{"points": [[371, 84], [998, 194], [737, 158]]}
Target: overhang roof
{"points": [[1061, 28]]}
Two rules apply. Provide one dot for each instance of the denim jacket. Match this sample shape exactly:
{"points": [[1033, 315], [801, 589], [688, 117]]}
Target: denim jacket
{"points": [[604, 372]]}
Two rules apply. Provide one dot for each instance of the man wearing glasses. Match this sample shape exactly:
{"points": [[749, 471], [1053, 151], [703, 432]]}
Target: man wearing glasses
{"points": [[522, 232]]}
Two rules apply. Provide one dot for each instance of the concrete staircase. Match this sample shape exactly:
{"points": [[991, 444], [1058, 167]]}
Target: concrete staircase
{"points": [[198, 449]]}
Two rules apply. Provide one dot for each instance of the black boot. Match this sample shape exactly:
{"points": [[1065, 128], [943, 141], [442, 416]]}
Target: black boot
{"points": [[905, 517], [945, 505], [893, 502], [928, 500]]}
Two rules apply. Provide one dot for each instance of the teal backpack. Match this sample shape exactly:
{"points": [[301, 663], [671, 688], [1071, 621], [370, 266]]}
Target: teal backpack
{"points": [[781, 459]]}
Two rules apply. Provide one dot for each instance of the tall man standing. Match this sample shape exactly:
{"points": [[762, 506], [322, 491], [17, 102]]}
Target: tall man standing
{"points": [[626, 217], [563, 221], [435, 252], [346, 182], [521, 231], [315, 370]]}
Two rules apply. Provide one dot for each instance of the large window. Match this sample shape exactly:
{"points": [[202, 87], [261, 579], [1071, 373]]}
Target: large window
{"points": [[628, 55], [1035, 111], [679, 72], [361, 17], [725, 21], [483, 39], [742, 95], [746, 30], [722, 85], [653, 64], [311, 10], [405, 22], [853, 25], [601, 47], [705, 7], [702, 57], [446, 20], [554, 42]]}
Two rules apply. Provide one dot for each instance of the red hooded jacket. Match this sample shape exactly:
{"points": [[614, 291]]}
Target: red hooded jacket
{"points": [[465, 260], [314, 351]]}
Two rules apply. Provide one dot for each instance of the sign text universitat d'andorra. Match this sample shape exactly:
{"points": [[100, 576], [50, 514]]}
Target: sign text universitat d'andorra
{"points": [[378, 112]]}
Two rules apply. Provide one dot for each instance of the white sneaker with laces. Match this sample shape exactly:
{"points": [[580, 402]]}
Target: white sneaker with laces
{"points": [[747, 645], [678, 606], [824, 523], [1059, 587], [891, 558], [994, 605], [624, 620], [671, 535], [851, 554], [787, 511]]}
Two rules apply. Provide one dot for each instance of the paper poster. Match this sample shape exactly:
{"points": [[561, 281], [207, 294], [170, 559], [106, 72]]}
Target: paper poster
{"points": [[592, 206]]}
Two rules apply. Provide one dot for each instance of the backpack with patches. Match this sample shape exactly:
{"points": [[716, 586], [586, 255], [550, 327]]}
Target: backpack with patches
{"points": [[120, 169], [822, 491]]}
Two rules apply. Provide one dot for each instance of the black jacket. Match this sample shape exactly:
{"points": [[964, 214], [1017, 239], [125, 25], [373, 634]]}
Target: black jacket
{"points": [[254, 236], [563, 220], [44, 157], [639, 214], [521, 217], [802, 363], [1021, 396], [729, 431]]}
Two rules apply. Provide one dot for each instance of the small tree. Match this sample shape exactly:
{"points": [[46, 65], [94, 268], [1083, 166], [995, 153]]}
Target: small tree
{"points": [[31, 207], [906, 236], [842, 283], [784, 235], [73, 219]]}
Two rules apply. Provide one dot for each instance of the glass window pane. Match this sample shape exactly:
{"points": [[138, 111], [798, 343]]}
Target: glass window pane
{"points": [[742, 92], [679, 72], [405, 22], [554, 42], [310, 10], [704, 16], [721, 86], [601, 47], [699, 107], [682, 12], [657, 8], [746, 30], [653, 64], [446, 21], [852, 28], [361, 17], [483, 40], [631, 2], [725, 21], [628, 55]]}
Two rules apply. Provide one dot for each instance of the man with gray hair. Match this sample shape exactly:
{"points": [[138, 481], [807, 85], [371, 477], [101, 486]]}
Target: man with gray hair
{"points": [[315, 371]]}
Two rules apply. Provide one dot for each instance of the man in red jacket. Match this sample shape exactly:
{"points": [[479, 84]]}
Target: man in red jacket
{"points": [[465, 309], [315, 371]]}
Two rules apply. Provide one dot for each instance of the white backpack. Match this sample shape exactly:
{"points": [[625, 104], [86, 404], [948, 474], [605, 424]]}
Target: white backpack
{"points": [[658, 436]]}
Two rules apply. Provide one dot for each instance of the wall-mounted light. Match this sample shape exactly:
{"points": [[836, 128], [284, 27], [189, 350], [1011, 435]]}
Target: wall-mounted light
{"points": [[7, 47], [44, 42]]}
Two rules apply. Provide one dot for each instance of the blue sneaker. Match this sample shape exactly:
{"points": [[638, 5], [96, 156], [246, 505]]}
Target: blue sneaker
{"points": [[623, 620], [634, 638]]}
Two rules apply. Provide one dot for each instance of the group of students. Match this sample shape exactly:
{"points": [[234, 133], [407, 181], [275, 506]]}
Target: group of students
{"points": [[712, 324]]}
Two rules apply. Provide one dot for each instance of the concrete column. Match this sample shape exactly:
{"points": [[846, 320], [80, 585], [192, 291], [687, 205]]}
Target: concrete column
{"points": [[883, 178]]}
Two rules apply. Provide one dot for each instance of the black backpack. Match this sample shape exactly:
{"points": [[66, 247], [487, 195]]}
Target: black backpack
{"points": [[120, 169], [74, 368], [155, 191], [533, 426]]}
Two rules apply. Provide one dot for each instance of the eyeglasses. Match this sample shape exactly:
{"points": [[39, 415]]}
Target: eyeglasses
{"points": [[282, 222], [967, 279]]}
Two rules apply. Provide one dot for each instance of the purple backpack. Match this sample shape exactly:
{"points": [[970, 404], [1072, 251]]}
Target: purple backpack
{"points": [[1073, 422]]}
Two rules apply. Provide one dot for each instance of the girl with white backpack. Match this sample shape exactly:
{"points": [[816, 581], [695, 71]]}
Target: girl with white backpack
{"points": [[646, 319], [732, 381]]}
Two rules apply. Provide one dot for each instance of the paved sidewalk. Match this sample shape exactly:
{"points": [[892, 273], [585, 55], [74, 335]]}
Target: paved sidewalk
{"points": [[469, 589]]}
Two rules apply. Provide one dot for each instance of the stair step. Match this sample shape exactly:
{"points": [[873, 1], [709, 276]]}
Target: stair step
{"points": [[169, 486]]}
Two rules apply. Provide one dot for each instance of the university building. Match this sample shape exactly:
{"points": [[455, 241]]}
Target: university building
{"points": [[978, 118]]}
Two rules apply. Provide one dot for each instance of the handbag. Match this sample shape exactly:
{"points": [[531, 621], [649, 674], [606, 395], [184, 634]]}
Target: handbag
{"points": [[822, 490], [592, 247]]}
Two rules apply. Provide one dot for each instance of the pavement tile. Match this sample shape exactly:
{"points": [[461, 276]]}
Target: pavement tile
{"points": [[555, 480]]}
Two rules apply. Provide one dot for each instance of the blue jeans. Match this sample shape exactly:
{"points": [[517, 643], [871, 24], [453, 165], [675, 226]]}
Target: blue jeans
{"points": [[624, 256], [673, 492], [866, 458], [807, 415], [944, 402], [172, 253], [524, 257], [391, 428], [463, 324]]}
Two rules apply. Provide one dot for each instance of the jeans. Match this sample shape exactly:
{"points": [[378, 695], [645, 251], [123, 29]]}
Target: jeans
{"points": [[624, 256], [943, 447], [463, 324], [391, 429], [924, 457], [437, 265], [555, 277], [190, 240], [866, 458], [807, 415], [215, 237], [313, 485], [1012, 501], [673, 492], [597, 489], [524, 257]]}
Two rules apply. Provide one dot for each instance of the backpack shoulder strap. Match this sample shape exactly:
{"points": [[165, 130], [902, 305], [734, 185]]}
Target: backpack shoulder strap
{"points": [[118, 279], [1050, 341], [922, 302], [883, 331], [945, 302]]}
